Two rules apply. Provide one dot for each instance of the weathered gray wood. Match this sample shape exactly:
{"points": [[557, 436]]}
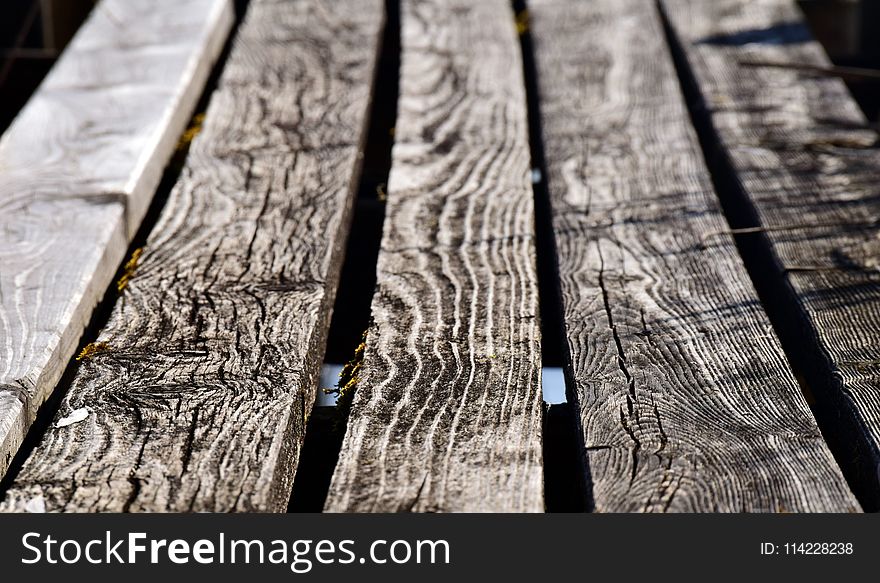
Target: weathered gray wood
{"points": [[686, 399], [107, 117], [87, 150], [813, 178], [199, 397], [447, 413]]}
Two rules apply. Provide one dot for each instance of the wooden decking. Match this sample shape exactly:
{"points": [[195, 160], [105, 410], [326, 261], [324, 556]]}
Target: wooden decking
{"points": [[713, 258], [447, 414], [666, 333]]}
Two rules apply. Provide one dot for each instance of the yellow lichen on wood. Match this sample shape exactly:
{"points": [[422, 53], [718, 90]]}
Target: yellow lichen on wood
{"points": [[129, 269], [91, 349], [191, 132], [348, 379], [522, 22]]}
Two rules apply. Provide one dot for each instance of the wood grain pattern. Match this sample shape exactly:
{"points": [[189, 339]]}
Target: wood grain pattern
{"points": [[107, 117], [812, 174], [199, 400], [686, 399], [78, 168], [447, 414]]}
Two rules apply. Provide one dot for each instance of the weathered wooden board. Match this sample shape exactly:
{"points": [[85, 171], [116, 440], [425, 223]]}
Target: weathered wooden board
{"points": [[447, 413], [686, 399], [198, 397], [107, 117], [813, 177], [78, 168]]}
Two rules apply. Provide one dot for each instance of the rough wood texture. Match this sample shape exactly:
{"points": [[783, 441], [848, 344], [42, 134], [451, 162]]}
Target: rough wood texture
{"points": [[686, 399], [107, 117], [812, 173], [199, 398], [78, 168], [447, 414]]}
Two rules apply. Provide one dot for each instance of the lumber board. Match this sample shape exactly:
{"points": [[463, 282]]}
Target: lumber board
{"points": [[447, 411], [197, 394], [108, 116], [78, 168], [804, 158], [686, 401]]}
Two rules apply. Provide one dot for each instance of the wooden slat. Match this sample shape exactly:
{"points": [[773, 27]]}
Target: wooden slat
{"points": [[109, 114], [198, 398], [813, 176], [686, 399], [447, 414], [78, 168]]}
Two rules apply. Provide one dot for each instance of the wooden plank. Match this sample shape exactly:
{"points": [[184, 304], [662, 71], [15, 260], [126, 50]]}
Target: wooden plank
{"points": [[685, 396], [198, 400], [108, 116], [78, 168], [801, 157], [447, 414]]}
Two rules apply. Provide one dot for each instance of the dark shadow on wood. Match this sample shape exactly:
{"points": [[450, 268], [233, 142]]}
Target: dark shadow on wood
{"points": [[351, 310], [567, 481], [838, 421], [780, 34], [317, 460]]}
